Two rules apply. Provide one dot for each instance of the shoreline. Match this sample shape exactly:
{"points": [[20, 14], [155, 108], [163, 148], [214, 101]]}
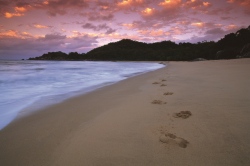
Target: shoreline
{"points": [[30, 98], [135, 121]]}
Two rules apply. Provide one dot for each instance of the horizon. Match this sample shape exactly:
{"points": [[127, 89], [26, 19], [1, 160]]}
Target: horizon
{"points": [[30, 29]]}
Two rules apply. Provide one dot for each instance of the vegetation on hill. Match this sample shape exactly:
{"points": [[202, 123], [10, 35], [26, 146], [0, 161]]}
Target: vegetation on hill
{"points": [[229, 47]]}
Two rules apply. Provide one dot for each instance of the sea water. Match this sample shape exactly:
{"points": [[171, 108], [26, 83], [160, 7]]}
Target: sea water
{"points": [[23, 83]]}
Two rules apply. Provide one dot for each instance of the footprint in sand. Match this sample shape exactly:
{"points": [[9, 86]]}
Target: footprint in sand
{"points": [[171, 139], [155, 83], [183, 114], [168, 93], [158, 102], [163, 85], [163, 80]]}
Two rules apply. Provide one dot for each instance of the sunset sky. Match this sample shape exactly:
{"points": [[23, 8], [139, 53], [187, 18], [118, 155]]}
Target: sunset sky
{"points": [[29, 28]]}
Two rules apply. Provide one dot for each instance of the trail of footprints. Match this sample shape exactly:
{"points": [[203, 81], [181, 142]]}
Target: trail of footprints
{"points": [[166, 137]]}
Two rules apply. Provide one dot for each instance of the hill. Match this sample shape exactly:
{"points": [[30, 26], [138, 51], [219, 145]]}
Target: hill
{"points": [[233, 45]]}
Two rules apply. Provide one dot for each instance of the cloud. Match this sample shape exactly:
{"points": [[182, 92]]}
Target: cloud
{"points": [[61, 7], [53, 7], [169, 4], [198, 24], [33, 46], [165, 11], [215, 31], [54, 36], [131, 5], [100, 17], [197, 4], [39, 26], [4, 6], [213, 34], [10, 15], [20, 9], [98, 27], [9, 34], [243, 3]]}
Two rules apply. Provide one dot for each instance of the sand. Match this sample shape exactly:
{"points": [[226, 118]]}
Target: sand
{"points": [[136, 122]]}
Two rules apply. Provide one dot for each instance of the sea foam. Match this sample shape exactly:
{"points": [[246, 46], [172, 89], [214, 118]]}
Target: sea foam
{"points": [[23, 83]]}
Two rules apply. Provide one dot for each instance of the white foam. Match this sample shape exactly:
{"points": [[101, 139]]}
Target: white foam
{"points": [[25, 82]]}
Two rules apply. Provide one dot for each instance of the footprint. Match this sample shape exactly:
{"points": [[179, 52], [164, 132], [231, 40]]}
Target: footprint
{"points": [[168, 93], [163, 80], [172, 139], [158, 102], [163, 85], [183, 114], [155, 83]]}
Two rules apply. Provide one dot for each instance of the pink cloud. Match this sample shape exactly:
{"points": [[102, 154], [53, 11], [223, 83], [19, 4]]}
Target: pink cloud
{"points": [[39, 26], [33, 46]]}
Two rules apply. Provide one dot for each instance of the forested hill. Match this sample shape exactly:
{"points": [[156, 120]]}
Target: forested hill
{"points": [[233, 45]]}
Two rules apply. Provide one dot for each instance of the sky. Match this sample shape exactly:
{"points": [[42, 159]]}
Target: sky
{"points": [[30, 28]]}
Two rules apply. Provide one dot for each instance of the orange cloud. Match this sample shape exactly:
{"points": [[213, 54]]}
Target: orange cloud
{"points": [[153, 33], [198, 24], [129, 2], [20, 9], [148, 11], [231, 27], [157, 32], [197, 4], [16, 34], [10, 15], [45, 2], [207, 4], [9, 33], [18, 12], [40, 26], [129, 26], [170, 3], [124, 3]]}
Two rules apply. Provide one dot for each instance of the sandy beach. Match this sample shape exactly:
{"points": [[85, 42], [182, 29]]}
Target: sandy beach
{"points": [[188, 113]]}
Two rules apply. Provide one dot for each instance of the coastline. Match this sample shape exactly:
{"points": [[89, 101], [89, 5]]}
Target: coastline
{"points": [[119, 124], [39, 84]]}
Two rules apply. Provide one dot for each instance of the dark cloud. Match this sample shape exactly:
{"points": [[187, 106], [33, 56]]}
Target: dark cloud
{"points": [[23, 4], [4, 3], [214, 34], [4, 6], [55, 36], [215, 31], [61, 7], [94, 17], [110, 30], [244, 3], [98, 27]]}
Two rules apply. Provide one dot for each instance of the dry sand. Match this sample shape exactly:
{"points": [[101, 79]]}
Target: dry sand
{"points": [[121, 125]]}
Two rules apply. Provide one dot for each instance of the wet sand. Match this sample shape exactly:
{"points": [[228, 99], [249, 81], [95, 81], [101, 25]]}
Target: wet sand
{"points": [[188, 113]]}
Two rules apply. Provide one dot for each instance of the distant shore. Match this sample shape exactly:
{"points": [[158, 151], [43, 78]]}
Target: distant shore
{"points": [[188, 113]]}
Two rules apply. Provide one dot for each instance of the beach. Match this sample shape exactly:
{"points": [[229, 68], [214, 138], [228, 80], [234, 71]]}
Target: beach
{"points": [[188, 113]]}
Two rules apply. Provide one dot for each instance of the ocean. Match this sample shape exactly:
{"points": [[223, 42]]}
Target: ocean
{"points": [[30, 85]]}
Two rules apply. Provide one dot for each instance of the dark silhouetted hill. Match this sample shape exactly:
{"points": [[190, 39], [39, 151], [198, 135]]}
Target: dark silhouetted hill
{"points": [[233, 45]]}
